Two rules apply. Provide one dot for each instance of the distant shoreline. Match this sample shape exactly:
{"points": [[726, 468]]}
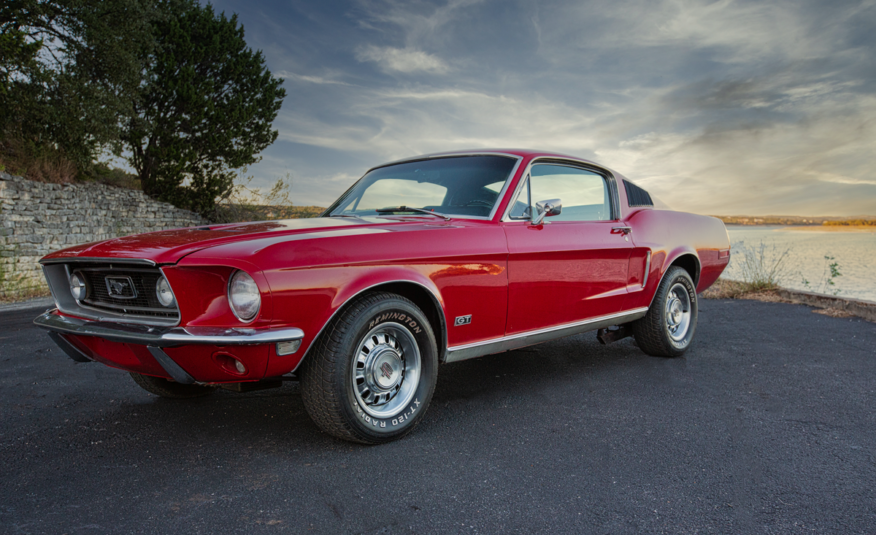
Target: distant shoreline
{"points": [[829, 228], [814, 228], [797, 221]]}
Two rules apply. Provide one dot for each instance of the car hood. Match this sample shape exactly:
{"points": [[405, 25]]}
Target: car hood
{"points": [[169, 246]]}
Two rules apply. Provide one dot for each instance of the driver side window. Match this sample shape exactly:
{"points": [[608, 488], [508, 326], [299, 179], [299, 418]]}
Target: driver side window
{"points": [[584, 194]]}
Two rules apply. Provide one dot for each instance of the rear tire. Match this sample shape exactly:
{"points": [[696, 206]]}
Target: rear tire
{"points": [[668, 328], [372, 371], [170, 389]]}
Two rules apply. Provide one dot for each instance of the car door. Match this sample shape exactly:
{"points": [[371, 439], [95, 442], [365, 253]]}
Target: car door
{"points": [[574, 265]]}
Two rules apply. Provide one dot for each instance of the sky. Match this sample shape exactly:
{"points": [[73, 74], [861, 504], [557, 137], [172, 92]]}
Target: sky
{"points": [[722, 107]]}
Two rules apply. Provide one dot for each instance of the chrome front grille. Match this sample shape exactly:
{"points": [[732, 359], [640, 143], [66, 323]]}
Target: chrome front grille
{"points": [[144, 303], [139, 305]]}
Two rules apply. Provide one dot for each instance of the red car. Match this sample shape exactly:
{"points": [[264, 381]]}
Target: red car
{"points": [[421, 262]]}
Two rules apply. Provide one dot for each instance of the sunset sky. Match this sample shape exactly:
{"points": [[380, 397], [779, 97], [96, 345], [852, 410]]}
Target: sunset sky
{"points": [[726, 107]]}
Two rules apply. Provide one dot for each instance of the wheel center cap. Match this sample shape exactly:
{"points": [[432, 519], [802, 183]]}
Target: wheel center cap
{"points": [[675, 311], [384, 369]]}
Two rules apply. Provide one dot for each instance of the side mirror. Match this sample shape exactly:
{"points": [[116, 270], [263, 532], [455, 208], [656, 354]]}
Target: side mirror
{"points": [[545, 209]]}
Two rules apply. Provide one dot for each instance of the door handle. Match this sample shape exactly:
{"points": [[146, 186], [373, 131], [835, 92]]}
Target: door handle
{"points": [[625, 230]]}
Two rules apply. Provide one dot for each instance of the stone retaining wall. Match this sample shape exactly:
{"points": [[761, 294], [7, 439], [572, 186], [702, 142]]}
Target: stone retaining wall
{"points": [[37, 219]]}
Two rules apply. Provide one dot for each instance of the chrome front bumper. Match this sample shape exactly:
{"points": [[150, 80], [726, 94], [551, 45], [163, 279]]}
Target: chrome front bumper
{"points": [[164, 336], [156, 338]]}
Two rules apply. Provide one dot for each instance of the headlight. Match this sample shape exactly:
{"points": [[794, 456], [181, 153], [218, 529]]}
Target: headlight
{"points": [[77, 286], [244, 297], [164, 293]]}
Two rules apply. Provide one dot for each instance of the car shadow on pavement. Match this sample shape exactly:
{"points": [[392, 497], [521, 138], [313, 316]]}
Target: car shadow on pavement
{"points": [[273, 421]]}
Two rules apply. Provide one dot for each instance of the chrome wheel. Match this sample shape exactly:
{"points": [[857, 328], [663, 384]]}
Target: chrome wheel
{"points": [[386, 371], [668, 327], [678, 312]]}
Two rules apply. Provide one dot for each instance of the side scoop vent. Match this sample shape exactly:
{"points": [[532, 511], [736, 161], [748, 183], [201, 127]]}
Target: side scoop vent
{"points": [[636, 196]]}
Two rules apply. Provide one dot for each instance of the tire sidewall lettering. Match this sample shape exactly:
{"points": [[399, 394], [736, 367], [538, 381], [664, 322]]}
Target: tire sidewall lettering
{"points": [[399, 317], [387, 423], [406, 416]]}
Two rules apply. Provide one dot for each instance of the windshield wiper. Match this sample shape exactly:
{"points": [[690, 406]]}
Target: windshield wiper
{"points": [[409, 209]]}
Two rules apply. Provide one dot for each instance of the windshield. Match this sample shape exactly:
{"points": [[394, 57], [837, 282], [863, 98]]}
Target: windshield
{"points": [[464, 186]]}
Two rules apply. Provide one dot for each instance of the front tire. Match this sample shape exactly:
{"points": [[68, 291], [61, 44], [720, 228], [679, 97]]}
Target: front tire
{"points": [[170, 389], [668, 328], [372, 371]]}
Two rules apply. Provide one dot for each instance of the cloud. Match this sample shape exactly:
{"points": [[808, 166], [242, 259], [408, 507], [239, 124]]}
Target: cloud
{"points": [[310, 79], [402, 59], [814, 166], [714, 106], [839, 179], [418, 22]]}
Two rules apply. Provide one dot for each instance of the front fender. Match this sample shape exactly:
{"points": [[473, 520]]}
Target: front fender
{"points": [[384, 275], [309, 299]]}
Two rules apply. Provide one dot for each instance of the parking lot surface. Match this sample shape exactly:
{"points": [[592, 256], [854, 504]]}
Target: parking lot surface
{"points": [[767, 425]]}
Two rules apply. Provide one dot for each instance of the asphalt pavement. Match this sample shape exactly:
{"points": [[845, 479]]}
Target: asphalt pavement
{"points": [[767, 425]]}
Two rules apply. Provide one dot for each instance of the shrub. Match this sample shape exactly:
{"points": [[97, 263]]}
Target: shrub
{"points": [[761, 267]]}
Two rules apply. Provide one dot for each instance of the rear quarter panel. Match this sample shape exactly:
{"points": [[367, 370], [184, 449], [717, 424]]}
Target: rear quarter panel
{"points": [[670, 235]]}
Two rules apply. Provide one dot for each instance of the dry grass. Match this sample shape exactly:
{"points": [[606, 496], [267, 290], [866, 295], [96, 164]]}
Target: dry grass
{"points": [[760, 266], [54, 169], [16, 158], [111, 176], [730, 289], [51, 166], [834, 312]]}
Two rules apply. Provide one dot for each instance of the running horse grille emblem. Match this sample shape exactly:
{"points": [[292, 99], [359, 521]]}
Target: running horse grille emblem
{"points": [[386, 370], [121, 287]]}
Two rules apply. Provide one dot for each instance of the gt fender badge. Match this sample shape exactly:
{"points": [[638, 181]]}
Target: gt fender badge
{"points": [[462, 320]]}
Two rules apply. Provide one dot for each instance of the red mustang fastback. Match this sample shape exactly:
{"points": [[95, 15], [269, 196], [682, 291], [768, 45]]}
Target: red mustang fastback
{"points": [[424, 261]]}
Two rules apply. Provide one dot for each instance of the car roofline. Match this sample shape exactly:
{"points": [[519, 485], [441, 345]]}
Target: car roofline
{"points": [[451, 154]]}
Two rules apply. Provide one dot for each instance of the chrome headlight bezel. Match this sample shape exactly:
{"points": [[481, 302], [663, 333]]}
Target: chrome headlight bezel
{"points": [[241, 283]]}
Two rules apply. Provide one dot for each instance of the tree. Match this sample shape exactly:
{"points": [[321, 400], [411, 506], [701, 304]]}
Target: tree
{"points": [[205, 108], [69, 70]]}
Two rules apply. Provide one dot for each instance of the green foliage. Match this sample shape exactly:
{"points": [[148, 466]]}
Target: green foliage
{"points": [[169, 79], [111, 176], [205, 107], [828, 277], [69, 69]]}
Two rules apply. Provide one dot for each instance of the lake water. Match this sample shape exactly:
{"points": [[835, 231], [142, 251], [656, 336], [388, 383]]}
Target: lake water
{"points": [[855, 252]]}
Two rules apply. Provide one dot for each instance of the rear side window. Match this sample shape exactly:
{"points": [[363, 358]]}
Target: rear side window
{"points": [[636, 196]]}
